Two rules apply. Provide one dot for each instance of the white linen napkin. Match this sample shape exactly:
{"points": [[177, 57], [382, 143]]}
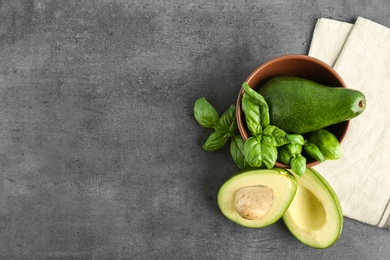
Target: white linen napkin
{"points": [[328, 39], [360, 53]]}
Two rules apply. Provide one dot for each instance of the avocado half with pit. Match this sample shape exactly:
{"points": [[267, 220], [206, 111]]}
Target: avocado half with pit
{"points": [[314, 216], [257, 198]]}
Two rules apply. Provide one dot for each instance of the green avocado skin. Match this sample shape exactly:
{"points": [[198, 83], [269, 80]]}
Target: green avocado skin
{"points": [[301, 106]]}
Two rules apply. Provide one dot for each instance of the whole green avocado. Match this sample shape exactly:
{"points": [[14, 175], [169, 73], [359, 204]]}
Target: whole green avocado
{"points": [[300, 106]]}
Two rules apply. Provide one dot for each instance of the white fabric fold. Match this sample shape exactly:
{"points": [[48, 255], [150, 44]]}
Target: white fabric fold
{"points": [[360, 53], [328, 39]]}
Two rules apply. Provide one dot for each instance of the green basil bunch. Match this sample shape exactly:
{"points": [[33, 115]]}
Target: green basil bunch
{"points": [[261, 147], [266, 143], [224, 128]]}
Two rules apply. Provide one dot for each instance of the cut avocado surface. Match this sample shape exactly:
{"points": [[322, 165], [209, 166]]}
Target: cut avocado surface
{"points": [[257, 198], [314, 216]]}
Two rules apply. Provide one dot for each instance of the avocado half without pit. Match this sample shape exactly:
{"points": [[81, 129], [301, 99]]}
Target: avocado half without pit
{"points": [[314, 216], [257, 198]]}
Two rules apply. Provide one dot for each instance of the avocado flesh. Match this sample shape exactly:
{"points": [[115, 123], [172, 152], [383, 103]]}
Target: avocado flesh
{"points": [[267, 195], [300, 106], [314, 216]]}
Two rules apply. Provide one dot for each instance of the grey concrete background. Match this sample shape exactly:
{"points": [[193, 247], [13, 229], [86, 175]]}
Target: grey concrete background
{"points": [[100, 155]]}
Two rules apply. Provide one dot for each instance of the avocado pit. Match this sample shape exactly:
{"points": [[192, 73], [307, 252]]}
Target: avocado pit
{"points": [[253, 202]]}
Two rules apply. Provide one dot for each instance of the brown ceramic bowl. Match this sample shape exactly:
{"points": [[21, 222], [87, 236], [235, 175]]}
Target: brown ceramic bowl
{"points": [[299, 66]]}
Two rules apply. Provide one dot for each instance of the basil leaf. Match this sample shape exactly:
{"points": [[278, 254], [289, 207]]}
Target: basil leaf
{"points": [[283, 155], [252, 114], [205, 114], [215, 141], [314, 151], [254, 128], [237, 152], [298, 165], [227, 123], [260, 101], [327, 143], [296, 139], [273, 135], [269, 154], [252, 151], [293, 149]]}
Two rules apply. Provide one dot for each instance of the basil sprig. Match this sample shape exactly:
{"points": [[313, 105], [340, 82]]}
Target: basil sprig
{"points": [[266, 143], [291, 154], [261, 148], [224, 128]]}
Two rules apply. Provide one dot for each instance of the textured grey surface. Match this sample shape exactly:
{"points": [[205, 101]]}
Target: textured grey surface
{"points": [[100, 156]]}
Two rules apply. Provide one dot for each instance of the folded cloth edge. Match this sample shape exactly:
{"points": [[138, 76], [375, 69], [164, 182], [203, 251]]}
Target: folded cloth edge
{"points": [[328, 39]]}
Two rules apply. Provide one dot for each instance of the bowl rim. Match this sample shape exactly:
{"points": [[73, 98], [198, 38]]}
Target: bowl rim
{"points": [[239, 114]]}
